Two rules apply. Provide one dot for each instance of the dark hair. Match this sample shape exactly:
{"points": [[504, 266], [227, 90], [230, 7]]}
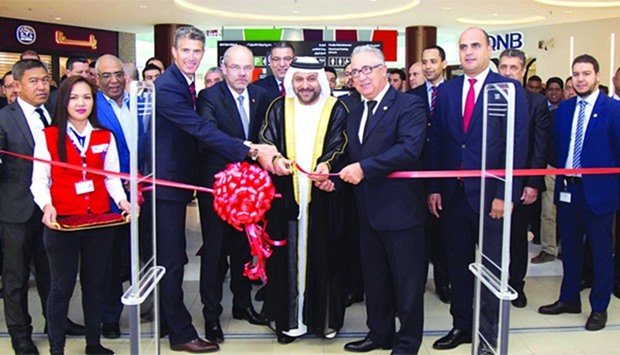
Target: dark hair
{"points": [[61, 116], [331, 70], [555, 79], [514, 53], [586, 58], [75, 59], [534, 78], [442, 53], [92, 64], [150, 67], [7, 74], [282, 44], [604, 89], [570, 78], [20, 67], [400, 72], [29, 52]]}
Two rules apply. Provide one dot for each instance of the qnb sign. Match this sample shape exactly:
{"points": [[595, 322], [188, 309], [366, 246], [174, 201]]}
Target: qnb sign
{"points": [[511, 40]]}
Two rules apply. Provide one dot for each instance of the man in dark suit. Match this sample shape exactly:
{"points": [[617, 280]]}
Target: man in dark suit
{"points": [[433, 65], [280, 58], [237, 110], [512, 65], [586, 135], [75, 65], [180, 131], [455, 142], [387, 135], [22, 230]]}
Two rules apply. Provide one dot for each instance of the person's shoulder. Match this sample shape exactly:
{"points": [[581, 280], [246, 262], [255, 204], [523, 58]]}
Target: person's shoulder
{"points": [[257, 90], [264, 82]]}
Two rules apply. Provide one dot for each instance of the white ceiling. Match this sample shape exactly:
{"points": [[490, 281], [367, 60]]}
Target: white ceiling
{"points": [[139, 16]]}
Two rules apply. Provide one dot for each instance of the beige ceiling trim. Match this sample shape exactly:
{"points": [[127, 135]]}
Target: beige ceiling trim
{"points": [[516, 21], [585, 4]]}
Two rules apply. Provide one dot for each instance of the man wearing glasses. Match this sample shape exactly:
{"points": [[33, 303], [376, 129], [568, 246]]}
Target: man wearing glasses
{"points": [[387, 133], [237, 110], [280, 58]]}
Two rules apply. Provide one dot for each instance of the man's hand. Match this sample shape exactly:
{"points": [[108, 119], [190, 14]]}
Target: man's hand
{"points": [[434, 204], [352, 173], [321, 170], [266, 152], [497, 208], [49, 216], [529, 195], [283, 166]]}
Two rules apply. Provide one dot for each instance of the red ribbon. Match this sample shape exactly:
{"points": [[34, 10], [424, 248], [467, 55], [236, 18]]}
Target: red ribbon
{"points": [[242, 195]]}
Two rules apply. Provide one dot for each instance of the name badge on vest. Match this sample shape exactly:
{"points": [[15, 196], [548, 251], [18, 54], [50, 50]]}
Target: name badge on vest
{"points": [[565, 196], [99, 148], [84, 187]]}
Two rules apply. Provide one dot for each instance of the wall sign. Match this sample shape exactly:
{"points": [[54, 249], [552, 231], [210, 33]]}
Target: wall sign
{"points": [[25, 35], [510, 40]]}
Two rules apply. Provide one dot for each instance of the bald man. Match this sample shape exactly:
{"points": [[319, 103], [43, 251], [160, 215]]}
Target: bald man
{"points": [[416, 75]]}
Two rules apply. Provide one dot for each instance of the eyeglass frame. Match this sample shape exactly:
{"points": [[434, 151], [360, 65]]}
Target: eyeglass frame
{"points": [[108, 76], [366, 70]]}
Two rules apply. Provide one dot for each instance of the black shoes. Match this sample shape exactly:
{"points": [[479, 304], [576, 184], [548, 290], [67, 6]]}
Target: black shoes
{"points": [[596, 321], [214, 332], [453, 339], [444, 293], [97, 349], [285, 339], [110, 331], [250, 315], [559, 308], [520, 301], [365, 345], [351, 298], [616, 291], [24, 346]]}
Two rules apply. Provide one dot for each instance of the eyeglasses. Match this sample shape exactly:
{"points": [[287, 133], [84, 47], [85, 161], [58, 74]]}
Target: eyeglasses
{"points": [[279, 59], [8, 87], [366, 69], [107, 76], [238, 68]]}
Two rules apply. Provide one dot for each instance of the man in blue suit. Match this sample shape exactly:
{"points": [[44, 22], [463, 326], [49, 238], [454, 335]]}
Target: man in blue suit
{"points": [[387, 134], [280, 58], [587, 135], [455, 142], [237, 110], [179, 133]]}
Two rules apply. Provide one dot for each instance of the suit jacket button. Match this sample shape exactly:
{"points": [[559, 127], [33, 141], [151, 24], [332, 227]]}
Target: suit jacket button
{"points": [[463, 146]]}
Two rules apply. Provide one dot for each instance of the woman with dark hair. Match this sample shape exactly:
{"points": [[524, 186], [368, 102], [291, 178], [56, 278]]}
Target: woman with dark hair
{"points": [[75, 137]]}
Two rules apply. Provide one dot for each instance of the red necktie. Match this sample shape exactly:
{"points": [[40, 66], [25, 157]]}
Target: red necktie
{"points": [[192, 91], [282, 90], [470, 102]]}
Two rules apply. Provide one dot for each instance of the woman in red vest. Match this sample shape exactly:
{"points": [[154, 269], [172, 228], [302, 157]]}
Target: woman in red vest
{"points": [[75, 137]]}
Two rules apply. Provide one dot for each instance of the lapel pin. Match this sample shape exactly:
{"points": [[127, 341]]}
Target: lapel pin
{"points": [[253, 100], [384, 108], [595, 115]]}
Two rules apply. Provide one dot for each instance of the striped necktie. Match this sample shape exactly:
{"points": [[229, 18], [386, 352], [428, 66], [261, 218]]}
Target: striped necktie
{"points": [[433, 97], [581, 118]]}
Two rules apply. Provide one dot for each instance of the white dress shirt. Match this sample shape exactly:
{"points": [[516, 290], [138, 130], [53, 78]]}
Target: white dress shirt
{"points": [[32, 117], [480, 78], [378, 98], [591, 100]]}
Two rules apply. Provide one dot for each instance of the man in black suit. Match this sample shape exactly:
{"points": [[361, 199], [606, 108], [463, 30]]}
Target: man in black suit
{"points": [[180, 131], [386, 135], [76, 65], [237, 110], [455, 142], [512, 65], [433, 65], [280, 58]]}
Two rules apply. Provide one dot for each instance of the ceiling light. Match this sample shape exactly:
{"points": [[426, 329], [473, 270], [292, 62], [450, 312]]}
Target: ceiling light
{"points": [[517, 21], [57, 18], [143, 6], [567, 3], [188, 5], [447, 8], [295, 11]]}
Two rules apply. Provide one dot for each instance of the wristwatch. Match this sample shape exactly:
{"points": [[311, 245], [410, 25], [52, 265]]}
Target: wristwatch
{"points": [[253, 152]]}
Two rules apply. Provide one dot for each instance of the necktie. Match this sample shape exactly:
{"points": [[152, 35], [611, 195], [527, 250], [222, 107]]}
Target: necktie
{"points": [[470, 102], [245, 120], [282, 90], [433, 97], [370, 105], [581, 118], [42, 117], [192, 91]]}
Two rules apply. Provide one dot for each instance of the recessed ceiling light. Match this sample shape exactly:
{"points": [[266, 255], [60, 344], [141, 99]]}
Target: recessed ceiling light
{"points": [[57, 18], [495, 14], [447, 8], [295, 11], [568, 11], [143, 6], [193, 6], [567, 3], [516, 21]]}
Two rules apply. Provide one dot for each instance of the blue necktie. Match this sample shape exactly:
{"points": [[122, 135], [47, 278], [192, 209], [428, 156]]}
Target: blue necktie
{"points": [[581, 118]]}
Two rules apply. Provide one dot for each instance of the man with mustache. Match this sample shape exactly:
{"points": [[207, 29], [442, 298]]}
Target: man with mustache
{"points": [[280, 58]]}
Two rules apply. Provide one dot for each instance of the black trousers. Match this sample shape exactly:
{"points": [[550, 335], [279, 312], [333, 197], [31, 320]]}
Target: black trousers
{"points": [[218, 238], [116, 272], [349, 226], [66, 251], [518, 245], [393, 266], [437, 251], [23, 243]]}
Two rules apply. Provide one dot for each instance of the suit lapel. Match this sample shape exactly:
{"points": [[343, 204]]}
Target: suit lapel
{"points": [[108, 119], [382, 108], [476, 116], [597, 114], [231, 107], [20, 120], [566, 128], [355, 118], [456, 107], [254, 119]]}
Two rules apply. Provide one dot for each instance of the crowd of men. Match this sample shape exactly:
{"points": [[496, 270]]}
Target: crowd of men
{"points": [[352, 233]]}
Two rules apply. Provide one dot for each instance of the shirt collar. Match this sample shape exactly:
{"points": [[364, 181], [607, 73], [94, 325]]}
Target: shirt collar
{"points": [[26, 107], [590, 99], [429, 85], [111, 101], [189, 80], [236, 94], [480, 78], [380, 96]]}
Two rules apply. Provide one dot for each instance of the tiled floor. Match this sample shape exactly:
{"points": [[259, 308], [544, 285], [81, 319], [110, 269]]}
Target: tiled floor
{"points": [[531, 333]]}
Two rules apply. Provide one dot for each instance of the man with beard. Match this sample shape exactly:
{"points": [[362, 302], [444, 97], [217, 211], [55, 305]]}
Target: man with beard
{"points": [[587, 135], [305, 290]]}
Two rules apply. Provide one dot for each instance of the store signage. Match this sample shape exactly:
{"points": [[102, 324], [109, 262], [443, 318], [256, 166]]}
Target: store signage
{"points": [[26, 35], [511, 40], [61, 39]]}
